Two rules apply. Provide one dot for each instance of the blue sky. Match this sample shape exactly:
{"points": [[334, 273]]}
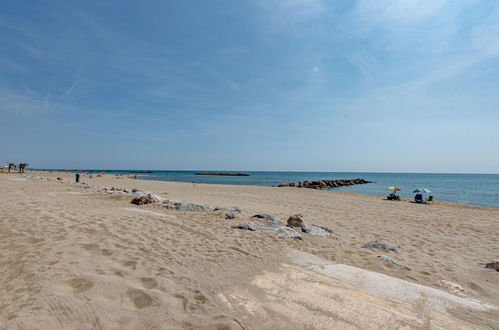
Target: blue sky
{"points": [[311, 85]]}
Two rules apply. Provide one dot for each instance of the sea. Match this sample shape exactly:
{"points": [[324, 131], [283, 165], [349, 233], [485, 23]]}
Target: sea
{"points": [[475, 189]]}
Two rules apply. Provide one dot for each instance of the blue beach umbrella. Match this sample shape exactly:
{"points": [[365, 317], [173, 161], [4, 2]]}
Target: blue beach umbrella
{"points": [[421, 191]]}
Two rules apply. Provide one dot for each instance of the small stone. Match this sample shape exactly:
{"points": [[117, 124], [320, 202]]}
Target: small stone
{"points": [[229, 215], [452, 287], [285, 232], [392, 261], [382, 246], [315, 230], [265, 221], [230, 209], [493, 265], [245, 225]]}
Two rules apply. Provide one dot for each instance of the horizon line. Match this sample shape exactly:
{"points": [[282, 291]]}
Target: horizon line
{"points": [[284, 171]]}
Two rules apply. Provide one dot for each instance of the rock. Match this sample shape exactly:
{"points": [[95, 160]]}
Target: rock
{"points": [[382, 246], [229, 215], [309, 228], [230, 209], [392, 261], [285, 232], [315, 230], [218, 173], [155, 198], [452, 287], [322, 184], [185, 206], [147, 199], [493, 265], [138, 192], [265, 221], [245, 225], [295, 220], [258, 221]]}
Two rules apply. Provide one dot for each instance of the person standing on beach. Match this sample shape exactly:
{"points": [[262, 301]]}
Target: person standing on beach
{"points": [[77, 177]]}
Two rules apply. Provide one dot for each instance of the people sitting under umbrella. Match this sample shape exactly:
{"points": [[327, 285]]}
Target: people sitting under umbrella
{"points": [[418, 198], [393, 195]]}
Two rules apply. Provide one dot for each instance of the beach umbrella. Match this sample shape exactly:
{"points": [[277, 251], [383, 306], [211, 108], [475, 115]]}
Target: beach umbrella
{"points": [[421, 191], [393, 189]]}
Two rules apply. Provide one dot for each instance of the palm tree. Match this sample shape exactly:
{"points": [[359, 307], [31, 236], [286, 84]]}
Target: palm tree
{"points": [[12, 165], [22, 166]]}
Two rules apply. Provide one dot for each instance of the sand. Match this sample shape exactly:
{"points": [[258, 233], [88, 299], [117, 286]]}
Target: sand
{"points": [[74, 258]]}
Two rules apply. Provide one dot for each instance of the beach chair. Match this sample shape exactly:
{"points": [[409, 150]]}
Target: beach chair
{"points": [[393, 197], [429, 200], [418, 199]]}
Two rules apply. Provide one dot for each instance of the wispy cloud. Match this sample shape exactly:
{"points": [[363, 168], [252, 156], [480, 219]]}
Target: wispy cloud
{"points": [[292, 11], [400, 11], [76, 80], [485, 36]]}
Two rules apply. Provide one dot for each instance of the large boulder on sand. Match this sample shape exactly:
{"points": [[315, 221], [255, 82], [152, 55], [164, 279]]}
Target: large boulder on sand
{"points": [[265, 221], [309, 228], [381, 246], [295, 220], [258, 221], [147, 199], [185, 206], [316, 230]]}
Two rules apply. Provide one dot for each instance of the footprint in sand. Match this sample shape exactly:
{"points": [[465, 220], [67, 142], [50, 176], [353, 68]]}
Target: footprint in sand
{"points": [[130, 264], [90, 247], [80, 284], [95, 250], [224, 322], [193, 302], [199, 297], [106, 252], [183, 300], [149, 283], [140, 299]]}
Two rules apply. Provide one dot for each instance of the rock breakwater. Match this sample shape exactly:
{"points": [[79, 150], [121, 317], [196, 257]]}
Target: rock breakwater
{"points": [[325, 184]]}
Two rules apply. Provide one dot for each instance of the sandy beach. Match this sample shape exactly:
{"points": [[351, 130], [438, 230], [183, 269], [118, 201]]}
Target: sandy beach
{"points": [[75, 258]]}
